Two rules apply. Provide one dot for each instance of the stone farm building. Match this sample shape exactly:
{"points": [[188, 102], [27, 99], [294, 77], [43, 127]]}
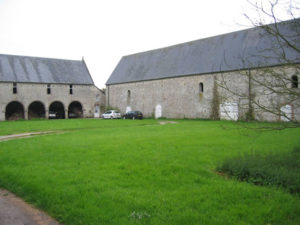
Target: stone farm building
{"points": [[214, 75], [32, 87]]}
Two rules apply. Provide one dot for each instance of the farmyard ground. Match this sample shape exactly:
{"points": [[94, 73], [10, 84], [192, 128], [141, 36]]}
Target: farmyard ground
{"points": [[143, 172]]}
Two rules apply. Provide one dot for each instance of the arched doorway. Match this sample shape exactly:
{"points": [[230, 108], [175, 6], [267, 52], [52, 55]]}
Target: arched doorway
{"points": [[56, 110], [14, 111], [75, 110], [36, 110]]}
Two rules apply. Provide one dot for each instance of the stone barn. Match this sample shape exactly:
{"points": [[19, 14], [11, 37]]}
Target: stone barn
{"points": [[32, 87], [229, 76]]}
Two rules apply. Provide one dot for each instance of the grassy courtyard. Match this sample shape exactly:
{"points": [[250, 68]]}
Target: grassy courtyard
{"points": [[141, 172]]}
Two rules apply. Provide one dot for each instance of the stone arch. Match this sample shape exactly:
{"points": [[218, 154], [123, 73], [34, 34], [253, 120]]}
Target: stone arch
{"points": [[36, 109], [56, 110], [75, 110], [14, 111]]}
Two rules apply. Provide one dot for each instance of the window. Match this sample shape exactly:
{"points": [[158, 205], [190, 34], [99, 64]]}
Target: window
{"points": [[48, 89], [201, 87], [295, 81], [14, 88], [71, 89], [128, 97]]}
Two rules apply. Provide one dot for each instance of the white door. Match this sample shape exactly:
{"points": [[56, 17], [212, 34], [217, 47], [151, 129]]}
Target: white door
{"points": [[158, 111], [286, 113], [229, 111], [128, 108], [97, 111]]}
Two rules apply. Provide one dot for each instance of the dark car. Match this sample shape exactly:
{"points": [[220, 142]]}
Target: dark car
{"points": [[133, 115]]}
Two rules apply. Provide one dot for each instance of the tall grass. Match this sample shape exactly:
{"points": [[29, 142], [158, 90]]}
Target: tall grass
{"points": [[280, 169]]}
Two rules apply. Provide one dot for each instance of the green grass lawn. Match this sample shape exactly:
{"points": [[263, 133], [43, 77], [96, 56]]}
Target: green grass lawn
{"points": [[139, 172]]}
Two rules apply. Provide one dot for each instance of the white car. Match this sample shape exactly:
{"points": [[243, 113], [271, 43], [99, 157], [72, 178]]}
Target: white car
{"points": [[52, 115], [111, 114]]}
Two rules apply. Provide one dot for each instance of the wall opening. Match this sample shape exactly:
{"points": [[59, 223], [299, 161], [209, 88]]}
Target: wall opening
{"points": [[15, 91], [36, 110], [201, 87], [71, 89], [48, 89], [75, 110], [56, 110], [295, 82], [128, 97], [14, 111]]}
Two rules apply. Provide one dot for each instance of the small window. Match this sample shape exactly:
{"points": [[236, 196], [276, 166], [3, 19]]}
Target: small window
{"points": [[295, 81], [14, 88], [48, 89], [71, 89], [128, 97], [201, 87]]}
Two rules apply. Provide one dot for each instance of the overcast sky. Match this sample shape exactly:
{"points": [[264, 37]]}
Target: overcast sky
{"points": [[104, 31]]}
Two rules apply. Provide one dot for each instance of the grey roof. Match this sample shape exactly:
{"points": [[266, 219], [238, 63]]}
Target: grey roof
{"points": [[43, 70], [251, 48]]}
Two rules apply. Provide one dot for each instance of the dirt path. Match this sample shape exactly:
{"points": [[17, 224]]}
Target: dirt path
{"points": [[14, 211], [167, 122], [23, 135]]}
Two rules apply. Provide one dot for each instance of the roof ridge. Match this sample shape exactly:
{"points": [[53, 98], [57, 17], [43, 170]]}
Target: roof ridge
{"points": [[213, 36], [38, 57]]}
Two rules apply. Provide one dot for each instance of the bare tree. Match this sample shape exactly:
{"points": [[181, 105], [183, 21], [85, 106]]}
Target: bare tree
{"points": [[270, 91]]}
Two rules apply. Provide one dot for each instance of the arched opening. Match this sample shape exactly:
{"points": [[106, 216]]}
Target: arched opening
{"points": [[14, 111], [75, 110], [36, 110], [201, 87], [56, 110], [295, 82]]}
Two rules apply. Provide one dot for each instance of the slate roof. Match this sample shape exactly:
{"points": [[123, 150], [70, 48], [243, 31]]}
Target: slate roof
{"points": [[251, 48], [43, 70]]}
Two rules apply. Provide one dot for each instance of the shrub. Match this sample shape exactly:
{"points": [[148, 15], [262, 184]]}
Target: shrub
{"points": [[281, 170]]}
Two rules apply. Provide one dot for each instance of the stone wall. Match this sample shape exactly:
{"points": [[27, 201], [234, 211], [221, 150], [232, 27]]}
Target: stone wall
{"points": [[88, 95], [181, 97]]}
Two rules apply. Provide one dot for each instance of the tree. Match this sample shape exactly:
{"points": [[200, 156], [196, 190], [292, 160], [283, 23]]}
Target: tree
{"points": [[269, 91]]}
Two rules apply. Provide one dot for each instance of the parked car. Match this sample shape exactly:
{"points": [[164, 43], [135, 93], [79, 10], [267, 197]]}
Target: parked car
{"points": [[133, 115], [52, 115], [111, 114]]}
